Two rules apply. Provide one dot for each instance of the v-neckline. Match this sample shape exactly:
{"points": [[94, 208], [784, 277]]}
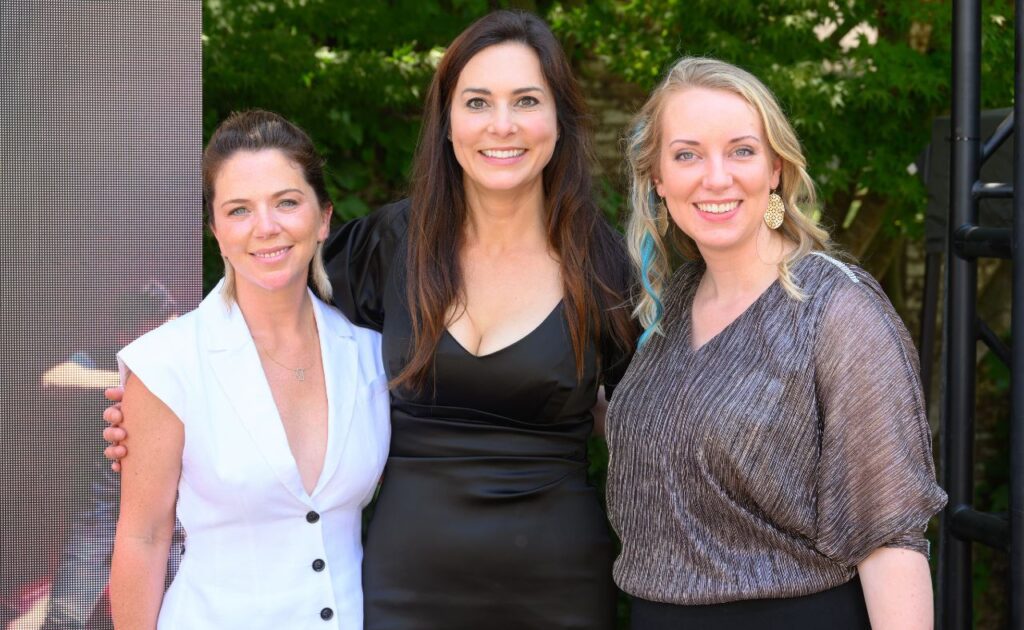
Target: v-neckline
{"points": [[328, 374], [557, 308], [728, 327]]}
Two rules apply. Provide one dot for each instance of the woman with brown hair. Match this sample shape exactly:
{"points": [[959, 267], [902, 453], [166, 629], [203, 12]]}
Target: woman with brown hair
{"points": [[501, 294], [259, 420]]}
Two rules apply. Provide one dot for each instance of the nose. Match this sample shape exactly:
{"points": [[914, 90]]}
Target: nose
{"points": [[716, 174], [266, 222], [503, 123]]}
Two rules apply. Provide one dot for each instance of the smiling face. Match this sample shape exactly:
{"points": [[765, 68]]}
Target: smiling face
{"points": [[715, 168], [267, 220], [503, 122]]}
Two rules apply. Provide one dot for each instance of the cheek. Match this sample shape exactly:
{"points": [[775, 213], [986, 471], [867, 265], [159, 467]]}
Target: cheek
{"points": [[677, 212], [461, 127], [543, 128], [676, 184]]}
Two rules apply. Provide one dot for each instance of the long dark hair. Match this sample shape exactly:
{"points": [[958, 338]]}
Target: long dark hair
{"points": [[585, 244]]}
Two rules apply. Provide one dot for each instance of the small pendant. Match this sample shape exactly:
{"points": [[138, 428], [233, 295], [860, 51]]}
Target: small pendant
{"points": [[300, 374]]}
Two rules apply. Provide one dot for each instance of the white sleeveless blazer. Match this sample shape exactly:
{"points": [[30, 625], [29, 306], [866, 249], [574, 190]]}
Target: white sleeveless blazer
{"points": [[260, 552]]}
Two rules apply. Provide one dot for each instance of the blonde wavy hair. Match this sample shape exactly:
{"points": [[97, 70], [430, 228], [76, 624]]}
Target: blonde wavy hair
{"points": [[650, 231]]}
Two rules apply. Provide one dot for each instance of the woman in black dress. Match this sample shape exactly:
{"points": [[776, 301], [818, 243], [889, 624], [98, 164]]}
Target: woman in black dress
{"points": [[517, 287], [501, 294]]}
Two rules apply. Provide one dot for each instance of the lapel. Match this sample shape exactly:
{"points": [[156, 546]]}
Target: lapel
{"points": [[340, 357], [237, 369]]}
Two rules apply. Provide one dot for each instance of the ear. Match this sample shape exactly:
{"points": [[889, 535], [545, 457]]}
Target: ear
{"points": [[659, 186], [776, 172], [213, 230], [325, 222]]}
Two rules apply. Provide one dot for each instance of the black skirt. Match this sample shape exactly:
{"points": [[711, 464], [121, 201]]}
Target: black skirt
{"points": [[840, 608]]}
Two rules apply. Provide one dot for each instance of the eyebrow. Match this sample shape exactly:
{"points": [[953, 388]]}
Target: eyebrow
{"points": [[522, 90], [230, 202], [694, 143]]}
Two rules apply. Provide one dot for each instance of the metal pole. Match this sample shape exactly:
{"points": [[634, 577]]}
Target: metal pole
{"points": [[956, 609], [1017, 339]]}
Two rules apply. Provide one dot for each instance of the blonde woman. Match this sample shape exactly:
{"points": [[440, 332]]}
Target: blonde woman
{"points": [[770, 457]]}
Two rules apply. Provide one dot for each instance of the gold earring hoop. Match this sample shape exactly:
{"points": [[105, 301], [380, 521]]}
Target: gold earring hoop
{"points": [[775, 211]]}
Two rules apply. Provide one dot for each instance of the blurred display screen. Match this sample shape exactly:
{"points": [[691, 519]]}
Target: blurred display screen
{"points": [[100, 222]]}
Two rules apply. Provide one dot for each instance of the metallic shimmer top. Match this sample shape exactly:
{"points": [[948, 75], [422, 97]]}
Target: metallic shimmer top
{"points": [[772, 460]]}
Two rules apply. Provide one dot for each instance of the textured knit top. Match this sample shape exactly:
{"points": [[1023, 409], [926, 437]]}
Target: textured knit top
{"points": [[773, 459]]}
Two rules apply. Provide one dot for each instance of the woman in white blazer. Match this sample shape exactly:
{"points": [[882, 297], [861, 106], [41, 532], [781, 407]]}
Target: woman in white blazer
{"points": [[266, 452]]}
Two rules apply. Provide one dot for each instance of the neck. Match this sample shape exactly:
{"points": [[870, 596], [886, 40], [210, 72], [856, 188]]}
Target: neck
{"points": [[273, 316], [499, 220], [735, 273]]}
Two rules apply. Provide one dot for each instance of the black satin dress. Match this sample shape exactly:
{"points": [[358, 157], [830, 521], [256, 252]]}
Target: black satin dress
{"points": [[484, 519]]}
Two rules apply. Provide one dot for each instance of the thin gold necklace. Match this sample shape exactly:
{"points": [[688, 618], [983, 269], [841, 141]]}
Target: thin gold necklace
{"points": [[299, 373]]}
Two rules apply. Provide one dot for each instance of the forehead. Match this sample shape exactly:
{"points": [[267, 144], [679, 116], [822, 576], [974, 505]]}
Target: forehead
{"points": [[506, 66], [251, 173], [704, 115]]}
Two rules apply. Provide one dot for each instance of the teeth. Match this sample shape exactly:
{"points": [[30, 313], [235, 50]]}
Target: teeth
{"points": [[717, 208], [269, 254], [509, 153]]}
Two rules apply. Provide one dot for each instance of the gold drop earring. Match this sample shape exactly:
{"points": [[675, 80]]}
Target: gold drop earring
{"points": [[775, 211]]}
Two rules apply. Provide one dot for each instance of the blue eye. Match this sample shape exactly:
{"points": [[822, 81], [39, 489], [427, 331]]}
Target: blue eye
{"points": [[288, 203], [237, 211], [686, 156], [744, 152]]}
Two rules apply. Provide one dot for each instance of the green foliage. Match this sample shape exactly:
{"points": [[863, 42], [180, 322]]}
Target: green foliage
{"points": [[863, 110], [352, 74], [861, 81], [334, 68]]}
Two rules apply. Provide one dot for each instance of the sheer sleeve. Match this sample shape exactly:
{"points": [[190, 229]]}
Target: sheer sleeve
{"points": [[359, 256], [876, 477]]}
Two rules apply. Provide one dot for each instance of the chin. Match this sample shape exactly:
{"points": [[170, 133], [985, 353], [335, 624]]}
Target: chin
{"points": [[273, 283]]}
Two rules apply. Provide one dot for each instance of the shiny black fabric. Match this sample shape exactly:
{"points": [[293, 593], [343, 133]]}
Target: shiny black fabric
{"points": [[484, 518]]}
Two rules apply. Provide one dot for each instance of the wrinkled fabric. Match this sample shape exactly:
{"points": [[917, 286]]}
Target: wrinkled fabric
{"points": [[773, 459]]}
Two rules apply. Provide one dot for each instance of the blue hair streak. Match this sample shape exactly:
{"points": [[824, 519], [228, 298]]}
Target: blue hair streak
{"points": [[647, 253]]}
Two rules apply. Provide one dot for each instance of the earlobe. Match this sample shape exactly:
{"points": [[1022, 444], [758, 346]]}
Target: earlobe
{"points": [[325, 223]]}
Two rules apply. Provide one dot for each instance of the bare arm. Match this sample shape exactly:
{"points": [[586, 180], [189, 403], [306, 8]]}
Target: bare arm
{"points": [[149, 486], [897, 589]]}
